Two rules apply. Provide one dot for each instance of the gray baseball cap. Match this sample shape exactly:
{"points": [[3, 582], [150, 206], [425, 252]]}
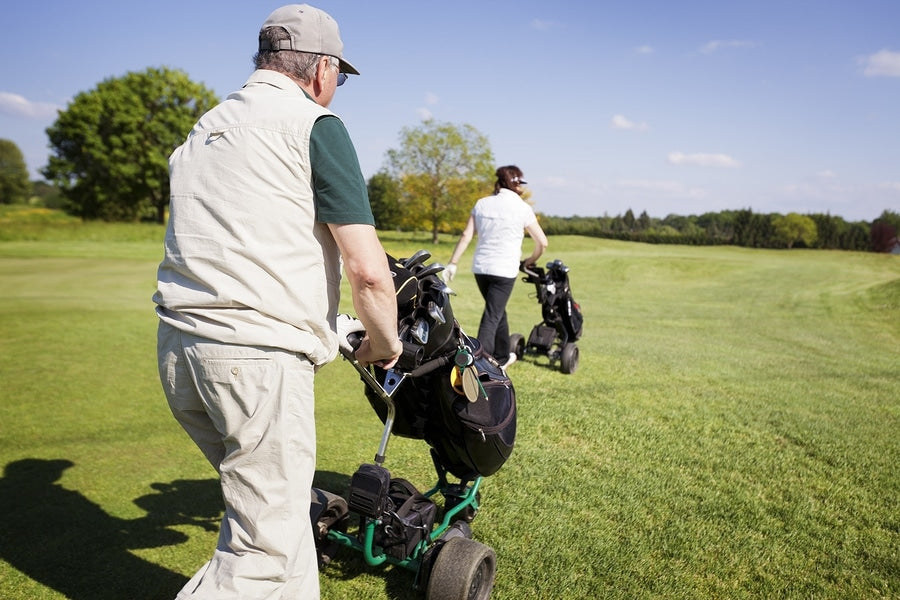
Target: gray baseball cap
{"points": [[311, 30]]}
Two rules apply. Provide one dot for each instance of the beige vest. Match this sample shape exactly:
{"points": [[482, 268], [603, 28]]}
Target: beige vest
{"points": [[245, 260]]}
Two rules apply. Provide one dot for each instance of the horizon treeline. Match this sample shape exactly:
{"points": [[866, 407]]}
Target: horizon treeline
{"points": [[738, 228]]}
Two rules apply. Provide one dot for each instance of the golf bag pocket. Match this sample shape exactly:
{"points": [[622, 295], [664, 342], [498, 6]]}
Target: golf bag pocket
{"points": [[407, 521], [476, 438]]}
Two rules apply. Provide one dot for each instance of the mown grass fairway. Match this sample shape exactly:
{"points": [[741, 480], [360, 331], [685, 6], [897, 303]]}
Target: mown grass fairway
{"points": [[731, 432]]}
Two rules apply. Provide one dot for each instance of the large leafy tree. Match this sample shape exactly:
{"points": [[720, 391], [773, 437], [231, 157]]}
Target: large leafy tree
{"points": [[111, 144], [793, 228], [15, 187], [442, 169]]}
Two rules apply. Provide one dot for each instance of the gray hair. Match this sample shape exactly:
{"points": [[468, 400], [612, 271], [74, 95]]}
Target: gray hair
{"points": [[300, 65]]}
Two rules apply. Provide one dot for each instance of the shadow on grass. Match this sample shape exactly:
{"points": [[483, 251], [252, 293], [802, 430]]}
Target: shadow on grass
{"points": [[336, 483], [542, 361], [64, 541]]}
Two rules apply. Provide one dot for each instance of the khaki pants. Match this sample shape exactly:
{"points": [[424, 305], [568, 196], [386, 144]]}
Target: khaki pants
{"points": [[251, 411]]}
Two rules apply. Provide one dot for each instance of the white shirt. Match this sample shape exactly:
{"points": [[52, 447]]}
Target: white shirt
{"points": [[500, 222]]}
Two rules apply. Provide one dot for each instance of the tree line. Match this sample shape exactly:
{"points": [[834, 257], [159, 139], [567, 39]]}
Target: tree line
{"points": [[738, 228], [109, 161]]}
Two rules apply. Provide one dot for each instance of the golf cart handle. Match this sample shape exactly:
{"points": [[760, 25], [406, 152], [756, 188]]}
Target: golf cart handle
{"points": [[411, 358], [524, 269]]}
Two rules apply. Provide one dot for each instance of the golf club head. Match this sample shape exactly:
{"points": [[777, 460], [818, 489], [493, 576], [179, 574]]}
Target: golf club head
{"points": [[419, 331], [417, 258], [435, 312], [443, 288], [431, 269]]}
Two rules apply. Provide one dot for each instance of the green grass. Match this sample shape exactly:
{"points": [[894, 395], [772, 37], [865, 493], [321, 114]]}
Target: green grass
{"points": [[731, 432]]}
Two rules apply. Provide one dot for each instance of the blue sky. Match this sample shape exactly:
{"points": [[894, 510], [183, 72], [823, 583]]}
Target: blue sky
{"points": [[680, 107]]}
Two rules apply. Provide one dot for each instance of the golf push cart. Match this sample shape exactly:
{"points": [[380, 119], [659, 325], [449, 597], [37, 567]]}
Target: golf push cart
{"points": [[556, 335], [445, 391]]}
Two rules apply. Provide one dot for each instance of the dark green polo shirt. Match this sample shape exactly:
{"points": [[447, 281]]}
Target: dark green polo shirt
{"points": [[340, 190]]}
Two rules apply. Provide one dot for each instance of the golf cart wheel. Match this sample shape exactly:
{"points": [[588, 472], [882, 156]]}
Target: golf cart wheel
{"points": [[517, 344], [463, 570], [327, 512], [568, 358]]}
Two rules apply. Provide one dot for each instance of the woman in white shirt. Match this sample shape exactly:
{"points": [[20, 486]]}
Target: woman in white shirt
{"points": [[500, 221]]}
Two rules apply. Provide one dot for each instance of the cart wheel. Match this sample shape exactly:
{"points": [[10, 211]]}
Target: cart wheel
{"points": [[517, 344], [463, 570], [568, 359], [327, 511]]}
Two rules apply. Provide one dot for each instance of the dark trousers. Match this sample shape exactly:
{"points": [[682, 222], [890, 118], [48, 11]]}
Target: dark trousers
{"points": [[493, 332]]}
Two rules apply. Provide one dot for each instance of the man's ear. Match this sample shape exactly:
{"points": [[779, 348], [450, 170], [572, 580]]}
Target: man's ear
{"points": [[322, 71]]}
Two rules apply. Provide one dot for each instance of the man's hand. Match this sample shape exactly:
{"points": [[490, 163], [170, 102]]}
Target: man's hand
{"points": [[367, 355], [348, 327], [449, 273]]}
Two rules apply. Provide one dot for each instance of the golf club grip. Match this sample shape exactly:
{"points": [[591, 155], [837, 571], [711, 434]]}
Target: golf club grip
{"points": [[430, 366], [355, 338]]}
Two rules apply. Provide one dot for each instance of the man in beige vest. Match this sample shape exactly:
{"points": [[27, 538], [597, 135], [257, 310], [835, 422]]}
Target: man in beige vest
{"points": [[268, 202]]}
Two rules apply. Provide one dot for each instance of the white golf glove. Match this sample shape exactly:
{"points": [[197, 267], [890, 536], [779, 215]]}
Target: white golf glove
{"points": [[345, 326], [449, 273]]}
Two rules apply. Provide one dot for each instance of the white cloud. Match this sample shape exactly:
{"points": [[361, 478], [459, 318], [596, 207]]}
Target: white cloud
{"points": [[826, 174], [890, 186], [702, 160], [18, 106], [670, 189], [431, 99], [883, 63], [715, 45], [621, 122], [542, 25], [644, 49], [556, 181]]}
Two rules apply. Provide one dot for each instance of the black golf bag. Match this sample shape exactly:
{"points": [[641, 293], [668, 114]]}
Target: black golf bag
{"points": [[562, 323], [453, 396], [558, 307]]}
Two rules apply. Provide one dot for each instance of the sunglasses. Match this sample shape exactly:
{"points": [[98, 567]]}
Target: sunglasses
{"points": [[333, 62]]}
